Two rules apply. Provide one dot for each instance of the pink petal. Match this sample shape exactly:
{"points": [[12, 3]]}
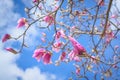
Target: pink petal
{"points": [[6, 37], [78, 48], [38, 53], [21, 22], [57, 46], [62, 56], [47, 58], [11, 50], [49, 19], [77, 59]]}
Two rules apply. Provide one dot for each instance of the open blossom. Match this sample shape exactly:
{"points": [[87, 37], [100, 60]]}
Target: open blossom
{"points": [[38, 53], [77, 46], [101, 2], [49, 19], [21, 22], [6, 37], [62, 56], [73, 55], [47, 58], [77, 51], [57, 46], [11, 50], [59, 34]]}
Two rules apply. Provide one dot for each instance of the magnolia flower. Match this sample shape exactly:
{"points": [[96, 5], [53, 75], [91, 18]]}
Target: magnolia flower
{"points": [[6, 37], [78, 48], [49, 19], [11, 50], [35, 1], [59, 34], [101, 2], [62, 56], [47, 58], [21, 22], [38, 53], [57, 46], [77, 51], [72, 54]]}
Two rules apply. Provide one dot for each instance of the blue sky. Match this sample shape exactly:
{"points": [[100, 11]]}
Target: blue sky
{"points": [[23, 66]]}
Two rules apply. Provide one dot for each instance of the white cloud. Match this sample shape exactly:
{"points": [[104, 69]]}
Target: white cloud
{"points": [[35, 74], [7, 16]]}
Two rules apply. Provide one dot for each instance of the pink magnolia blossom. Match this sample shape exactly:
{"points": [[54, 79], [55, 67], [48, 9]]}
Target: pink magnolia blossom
{"points": [[35, 1], [78, 48], [56, 46], [101, 2], [77, 51], [21, 22], [6, 37], [62, 56], [59, 34], [11, 50], [49, 19], [47, 58], [38, 53], [73, 55]]}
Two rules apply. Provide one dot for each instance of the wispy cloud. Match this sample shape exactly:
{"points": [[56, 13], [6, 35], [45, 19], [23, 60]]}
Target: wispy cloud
{"points": [[7, 15]]}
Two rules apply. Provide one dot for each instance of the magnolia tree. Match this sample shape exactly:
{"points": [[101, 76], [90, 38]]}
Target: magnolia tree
{"points": [[79, 32]]}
